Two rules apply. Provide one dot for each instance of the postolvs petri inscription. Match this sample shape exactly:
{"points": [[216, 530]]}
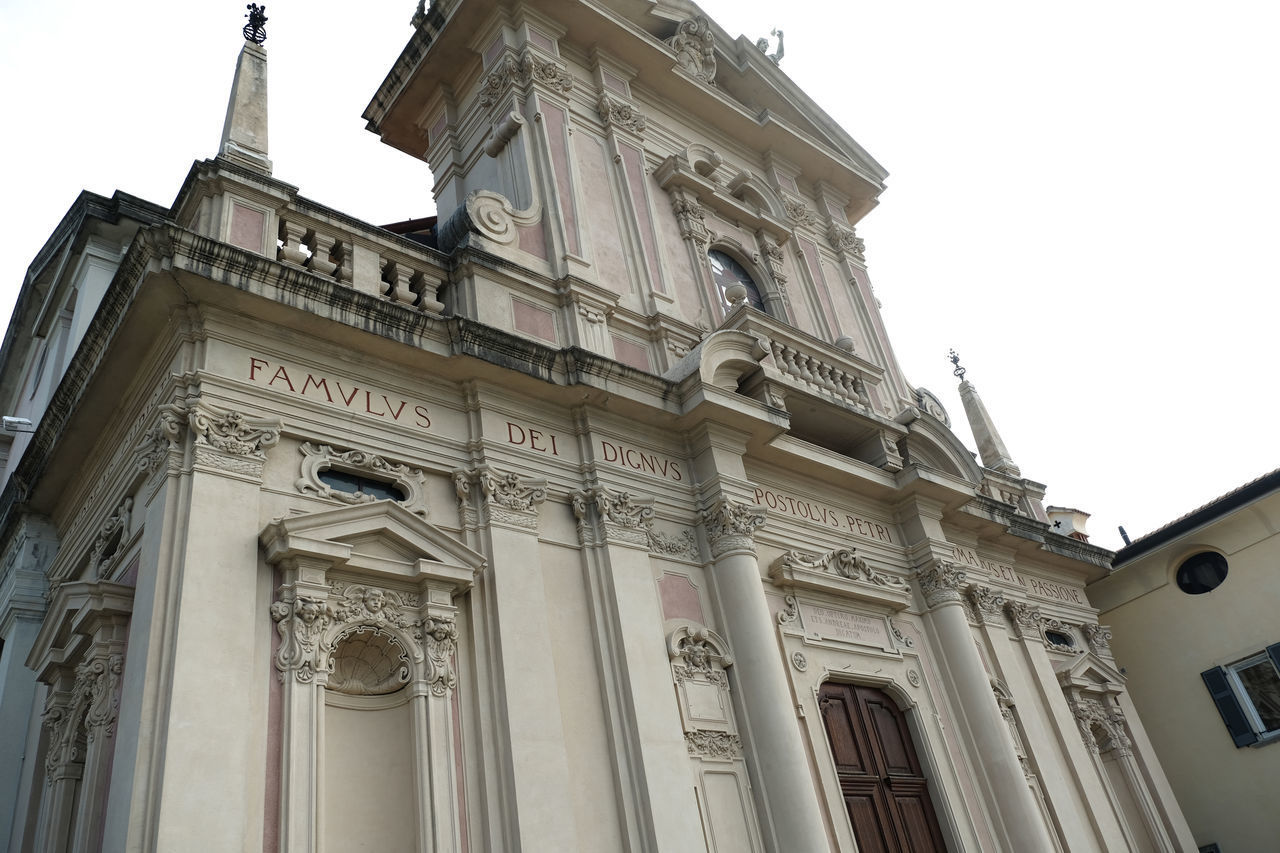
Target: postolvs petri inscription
{"points": [[342, 393]]}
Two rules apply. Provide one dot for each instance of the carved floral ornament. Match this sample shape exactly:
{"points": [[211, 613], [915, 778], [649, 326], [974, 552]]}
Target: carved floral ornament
{"points": [[618, 515], [319, 458], [941, 583], [616, 113], [313, 629], [522, 71], [92, 705], [731, 526], [1102, 725], [507, 498]]}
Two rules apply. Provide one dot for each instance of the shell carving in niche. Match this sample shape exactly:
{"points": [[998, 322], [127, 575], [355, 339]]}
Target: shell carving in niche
{"points": [[368, 662]]}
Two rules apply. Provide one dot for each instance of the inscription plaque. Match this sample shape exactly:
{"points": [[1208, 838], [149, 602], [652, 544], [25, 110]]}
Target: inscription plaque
{"points": [[830, 624]]}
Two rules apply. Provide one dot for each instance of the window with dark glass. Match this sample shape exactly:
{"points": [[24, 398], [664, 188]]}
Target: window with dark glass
{"points": [[728, 272], [354, 484], [1201, 573]]}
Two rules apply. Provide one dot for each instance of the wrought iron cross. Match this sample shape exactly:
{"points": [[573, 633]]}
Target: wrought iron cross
{"points": [[955, 359]]}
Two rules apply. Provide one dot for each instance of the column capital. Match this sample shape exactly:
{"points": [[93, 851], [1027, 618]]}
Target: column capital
{"points": [[507, 499], [1025, 619], [988, 604], [731, 526], [605, 516], [941, 583]]}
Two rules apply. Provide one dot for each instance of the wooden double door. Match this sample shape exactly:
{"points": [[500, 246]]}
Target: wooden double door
{"points": [[881, 782]]}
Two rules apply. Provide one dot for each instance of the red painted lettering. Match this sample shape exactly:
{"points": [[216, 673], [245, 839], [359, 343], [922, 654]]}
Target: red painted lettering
{"points": [[534, 435], [348, 398], [395, 416], [281, 374], [610, 452], [554, 451], [322, 384], [368, 405], [675, 472], [423, 420], [256, 364], [512, 429]]}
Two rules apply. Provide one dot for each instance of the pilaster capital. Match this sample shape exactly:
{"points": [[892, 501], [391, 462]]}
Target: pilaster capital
{"points": [[505, 498], [231, 441], [941, 583], [731, 526], [1025, 619], [987, 604], [607, 516]]}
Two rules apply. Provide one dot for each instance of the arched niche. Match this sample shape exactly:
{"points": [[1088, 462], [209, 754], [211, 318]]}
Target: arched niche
{"points": [[366, 615]]}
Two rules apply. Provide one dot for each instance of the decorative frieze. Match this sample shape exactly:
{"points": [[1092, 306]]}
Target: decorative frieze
{"points": [[940, 583], [523, 71], [411, 482], [731, 526], [685, 545], [694, 47], [713, 744]]}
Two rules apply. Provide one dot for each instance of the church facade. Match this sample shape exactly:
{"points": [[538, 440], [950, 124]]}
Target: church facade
{"points": [[595, 515]]}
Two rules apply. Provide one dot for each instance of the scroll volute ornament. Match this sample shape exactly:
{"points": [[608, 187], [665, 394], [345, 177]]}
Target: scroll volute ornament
{"points": [[695, 49]]}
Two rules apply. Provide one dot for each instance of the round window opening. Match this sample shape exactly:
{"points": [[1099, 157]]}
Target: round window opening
{"points": [[1201, 573]]}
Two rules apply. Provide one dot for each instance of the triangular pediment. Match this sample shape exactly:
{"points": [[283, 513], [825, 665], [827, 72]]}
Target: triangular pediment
{"points": [[380, 537], [1091, 673]]}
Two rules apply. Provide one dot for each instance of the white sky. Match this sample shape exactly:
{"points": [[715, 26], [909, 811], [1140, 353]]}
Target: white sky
{"points": [[1082, 197]]}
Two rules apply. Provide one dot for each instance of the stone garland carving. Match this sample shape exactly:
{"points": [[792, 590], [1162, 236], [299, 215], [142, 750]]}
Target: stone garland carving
{"points": [[318, 458], [619, 114], [1102, 727], [844, 562], [1005, 701], [524, 70], [685, 545], [988, 605], [940, 583], [1025, 619], [713, 744], [731, 526], [691, 218], [1098, 638], [695, 48], [797, 211]]}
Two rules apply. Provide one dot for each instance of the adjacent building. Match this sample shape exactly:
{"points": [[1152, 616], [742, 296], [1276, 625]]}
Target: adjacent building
{"points": [[594, 515], [1193, 612]]}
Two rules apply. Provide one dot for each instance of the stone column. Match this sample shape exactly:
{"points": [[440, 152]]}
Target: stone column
{"points": [[614, 531], [531, 757], [63, 764], [763, 698], [22, 607], [1025, 620], [1010, 798]]}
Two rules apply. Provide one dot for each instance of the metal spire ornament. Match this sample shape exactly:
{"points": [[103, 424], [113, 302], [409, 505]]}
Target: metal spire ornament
{"points": [[256, 30], [959, 371]]}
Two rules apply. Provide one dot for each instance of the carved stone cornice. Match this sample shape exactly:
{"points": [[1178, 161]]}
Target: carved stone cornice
{"points": [[941, 583], [618, 517], [988, 605], [731, 526], [412, 482], [1025, 619]]}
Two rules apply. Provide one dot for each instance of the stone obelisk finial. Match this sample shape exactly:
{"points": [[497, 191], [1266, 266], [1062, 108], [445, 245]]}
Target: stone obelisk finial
{"points": [[991, 447], [244, 133]]}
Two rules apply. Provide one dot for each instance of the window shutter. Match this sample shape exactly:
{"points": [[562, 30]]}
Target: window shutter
{"points": [[1228, 705], [1273, 651]]}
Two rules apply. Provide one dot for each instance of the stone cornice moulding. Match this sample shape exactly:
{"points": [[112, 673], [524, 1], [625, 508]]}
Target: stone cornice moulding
{"points": [[841, 572]]}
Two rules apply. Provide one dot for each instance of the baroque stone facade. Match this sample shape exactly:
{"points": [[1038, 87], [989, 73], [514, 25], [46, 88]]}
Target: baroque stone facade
{"points": [[594, 513]]}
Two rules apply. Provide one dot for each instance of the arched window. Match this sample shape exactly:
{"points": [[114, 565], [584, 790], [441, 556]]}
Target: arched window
{"points": [[727, 272]]}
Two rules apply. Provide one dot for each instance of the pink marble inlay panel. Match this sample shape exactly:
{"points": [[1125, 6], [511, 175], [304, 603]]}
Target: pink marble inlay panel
{"points": [[819, 282], [614, 82], [491, 52], [437, 128], [246, 228], [555, 120], [629, 352], [837, 213], [633, 160], [788, 183], [532, 240], [680, 598], [542, 40], [533, 320]]}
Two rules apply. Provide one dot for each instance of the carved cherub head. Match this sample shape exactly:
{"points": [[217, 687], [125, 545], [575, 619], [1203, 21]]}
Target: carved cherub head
{"points": [[374, 600]]}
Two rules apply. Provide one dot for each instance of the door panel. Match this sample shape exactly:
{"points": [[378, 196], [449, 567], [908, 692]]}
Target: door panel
{"points": [[884, 790]]}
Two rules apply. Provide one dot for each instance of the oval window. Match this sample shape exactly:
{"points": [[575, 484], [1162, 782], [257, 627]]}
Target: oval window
{"points": [[1201, 573]]}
